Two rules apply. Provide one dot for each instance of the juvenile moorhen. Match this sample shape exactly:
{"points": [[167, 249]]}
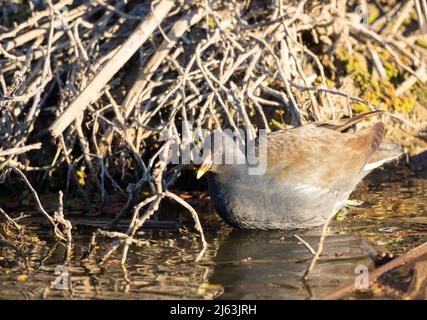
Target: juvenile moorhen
{"points": [[311, 171]]}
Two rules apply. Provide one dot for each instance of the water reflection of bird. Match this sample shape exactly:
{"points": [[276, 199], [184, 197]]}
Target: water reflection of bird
{"points": [[311, 171], [268, 265]]}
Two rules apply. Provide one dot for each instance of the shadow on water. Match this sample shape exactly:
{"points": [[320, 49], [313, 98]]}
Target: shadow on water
{"points": [[269, 265], [238, 264]]}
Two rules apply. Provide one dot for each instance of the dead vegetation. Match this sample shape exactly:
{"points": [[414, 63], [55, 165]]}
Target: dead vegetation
{"points": [[93, 93]]}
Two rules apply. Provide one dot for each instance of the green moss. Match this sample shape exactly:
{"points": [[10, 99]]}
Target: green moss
{"points": [[373, 15], [391, 70], [329, 83], [211, 22], [419, 90], [354, 63], [413, 15], [421, 43], [360, 107], [380, 93], [404, 104]]}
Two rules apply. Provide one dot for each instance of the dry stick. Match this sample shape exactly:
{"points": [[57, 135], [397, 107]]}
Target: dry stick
{"points": [[402, 260], [401, 17], [209, 76], [371, 106], [10, 56], [39, 53], [305, 49], [137, 222], [14, 152], [306, 244], [240, 59], [296, 117], [408, 83], [59, 217], [145, 74], [15, 224], [238, 97], [35, 33], [377, 62], [46, 76], [58, 232], [18, 150], [421, 9], [380, 24], [71, 171], [84, 145], [222, 26], [117, 11], [322, 73], [196, 221], [320, 246], [256, 101], [154, 201], [183, 75], [400, 43], [34, 19], [303, 77], [126, 51], [359, 29], [21, 166], [19, 86], [285, 44]]}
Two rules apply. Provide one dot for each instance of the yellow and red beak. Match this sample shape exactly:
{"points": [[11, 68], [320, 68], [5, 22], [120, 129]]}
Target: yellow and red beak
{"points": [[204, 167]]}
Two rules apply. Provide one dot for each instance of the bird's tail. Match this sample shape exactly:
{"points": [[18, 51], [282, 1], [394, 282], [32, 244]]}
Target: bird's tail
{"points": [[384, 153]]}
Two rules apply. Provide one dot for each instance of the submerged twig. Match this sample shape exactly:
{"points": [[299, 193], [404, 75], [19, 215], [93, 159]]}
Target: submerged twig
{"points": [[404, 259], [325, 230], [306, 244]]}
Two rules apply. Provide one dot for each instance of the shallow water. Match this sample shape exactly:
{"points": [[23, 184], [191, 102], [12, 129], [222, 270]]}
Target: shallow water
{"points": [[238, 264]]}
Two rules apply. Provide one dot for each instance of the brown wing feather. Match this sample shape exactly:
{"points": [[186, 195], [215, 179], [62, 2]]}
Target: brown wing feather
{"points": [[321, 157], [367, 142], [342, 124]]}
